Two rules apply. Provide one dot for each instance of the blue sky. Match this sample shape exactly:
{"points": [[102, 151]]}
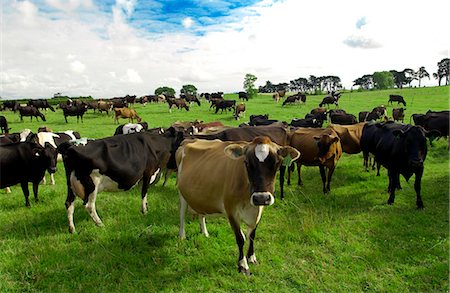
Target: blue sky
{"points": [[117, 47]]}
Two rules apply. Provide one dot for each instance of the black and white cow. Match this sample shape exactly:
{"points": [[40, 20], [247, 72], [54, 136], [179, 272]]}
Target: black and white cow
{"points": [[116, 163], [25, 162], [401, 149], [131, 128]]}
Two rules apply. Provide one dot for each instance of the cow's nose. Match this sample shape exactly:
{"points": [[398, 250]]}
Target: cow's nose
{"points": [[417, 163], [262, 199], [52, 170]]}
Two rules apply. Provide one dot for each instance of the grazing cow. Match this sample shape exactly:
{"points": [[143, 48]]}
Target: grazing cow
{"points": [[294, 99], [116, 163], [26, 162], [243, 96], [401, 149], [92, 105], [4, 125], [328, 100], [104, 106], [74, 110], [12, 105], [125, 113], [225, 105], [232, 179], [131, 128], [319, 147], [190, 99], [239, 111], [179, 103], [396, 98], [398, 114], [30, 111], [41, 104], [343, 119]]}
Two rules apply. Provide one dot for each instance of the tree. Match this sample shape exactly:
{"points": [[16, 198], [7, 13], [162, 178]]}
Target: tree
{"points": [[364, 82], [399, 78], [164, 90], [410, 76], [189, 89], [443, 70], [249, 85], [422, 73], [383, 80]]}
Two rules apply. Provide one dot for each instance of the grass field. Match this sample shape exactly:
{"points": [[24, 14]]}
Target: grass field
{"points": [[348, 240]]}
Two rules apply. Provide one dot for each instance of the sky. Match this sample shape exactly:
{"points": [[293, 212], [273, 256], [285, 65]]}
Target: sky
{"points": [[112, 48]]}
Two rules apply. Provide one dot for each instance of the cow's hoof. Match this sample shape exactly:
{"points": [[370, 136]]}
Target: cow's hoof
{"points": [[71, 230], [244, 271], [420, 206], [390, 202], [100, 224]]}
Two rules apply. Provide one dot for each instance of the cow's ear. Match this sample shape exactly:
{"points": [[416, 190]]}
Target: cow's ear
{"points": [[234, 151], [334, 139], [398, 133], [289, 154]]}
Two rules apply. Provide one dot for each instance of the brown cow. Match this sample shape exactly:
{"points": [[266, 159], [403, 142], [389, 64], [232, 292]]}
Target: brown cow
{"points": [[239, 111], [104, 106], [319, 147], [235, 179], [398, 114], [179, 103], [131, 114]]}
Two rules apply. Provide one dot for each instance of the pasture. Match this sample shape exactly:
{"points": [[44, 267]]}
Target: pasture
{"points": [[347, 240]]}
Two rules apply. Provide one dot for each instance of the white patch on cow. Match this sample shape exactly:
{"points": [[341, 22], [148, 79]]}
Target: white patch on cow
{"points": [[243, 263], [76, 186], [8, 190], [70, 133], [132, 128], [252, 259], [144, 208], [103, 182], [24, 134], [80, 141], [262, 151], [70, 211], [152, 179], [194, 130], [243, 235], [203, 229], [183, 208], [44, 137]]}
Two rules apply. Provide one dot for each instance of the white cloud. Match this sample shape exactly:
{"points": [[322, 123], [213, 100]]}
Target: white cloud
{"points": [[77, 67], [132, 76], [361, 42], [70, 5], [187, 22]]}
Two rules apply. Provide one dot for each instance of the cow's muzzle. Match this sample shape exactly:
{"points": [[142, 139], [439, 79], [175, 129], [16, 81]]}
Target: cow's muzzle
{"points": [[416, 163], [262, 199], [52, 170]]}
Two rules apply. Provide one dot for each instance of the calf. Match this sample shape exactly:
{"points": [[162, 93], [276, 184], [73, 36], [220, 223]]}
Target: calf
{"points": [[30, 111], [398, 114], [115, 163], [4, 125], [125, 113], [396, 98], [232, 179], [26, 162], [401, 149], [131, 128], [319, 147]]}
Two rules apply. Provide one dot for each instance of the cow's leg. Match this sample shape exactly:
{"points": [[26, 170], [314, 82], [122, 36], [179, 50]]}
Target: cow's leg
{"points": [[26, 193], [392, 186], [8, 190], [417, 185], [330, 174], [282, 172], [44, 181], [35, 190], [65, 118], [145, 183], [183, 208], [299, 173], [251, 251], [52, 179], [290, 169], [322, 174], [90, 207], [242, 261], [203, 229], [378, 168], [70, 206], [166, 176]]}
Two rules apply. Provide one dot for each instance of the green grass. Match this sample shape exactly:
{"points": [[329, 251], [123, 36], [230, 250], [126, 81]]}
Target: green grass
{"points": [[348, 240]]}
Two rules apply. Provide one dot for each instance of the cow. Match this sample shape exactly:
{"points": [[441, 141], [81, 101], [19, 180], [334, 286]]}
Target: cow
{"points": [[259, 120], [190, 99], [125, 113], [119, 103], [328, 100], [4, 125], [398, 114], [74, 110], [235, 179], [243, 96], [401, 149], [396, 98], [343, 119], [130, 99], [104, 106], [131, 128], [350, 136], [205, 126], [179, 103], [276, 97], [12, 105], [294, 99], [225, 105], [115, 163], [30, 111], [319, 113], [306, 122], [319, 147], [92, 105], [26, 162], [239, 111], [41, 104], [433, 120]]}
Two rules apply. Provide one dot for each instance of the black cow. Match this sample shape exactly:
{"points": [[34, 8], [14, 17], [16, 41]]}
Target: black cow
{"points": [[329, 100], [307, 122], [343, 119], [41, 104], [119, 103], [26, 162], [294, 99], [226, 105], [4, 125], [30, 111], [438, 121], [116, 163], [243, 96], [130, 99], [398, 114], [179, 103], [260, 120], [12, 105], [190, 98], [131, 128], [401, 149], [396, 98], [74, 110]]}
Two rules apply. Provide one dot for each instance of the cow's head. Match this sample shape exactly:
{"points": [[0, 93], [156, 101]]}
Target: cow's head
{"points": [[414, 144], [46, 156], [262, 159], [324, 142]]}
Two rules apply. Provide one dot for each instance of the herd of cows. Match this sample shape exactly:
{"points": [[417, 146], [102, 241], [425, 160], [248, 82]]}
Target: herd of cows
{"points": [[201, 153]]}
